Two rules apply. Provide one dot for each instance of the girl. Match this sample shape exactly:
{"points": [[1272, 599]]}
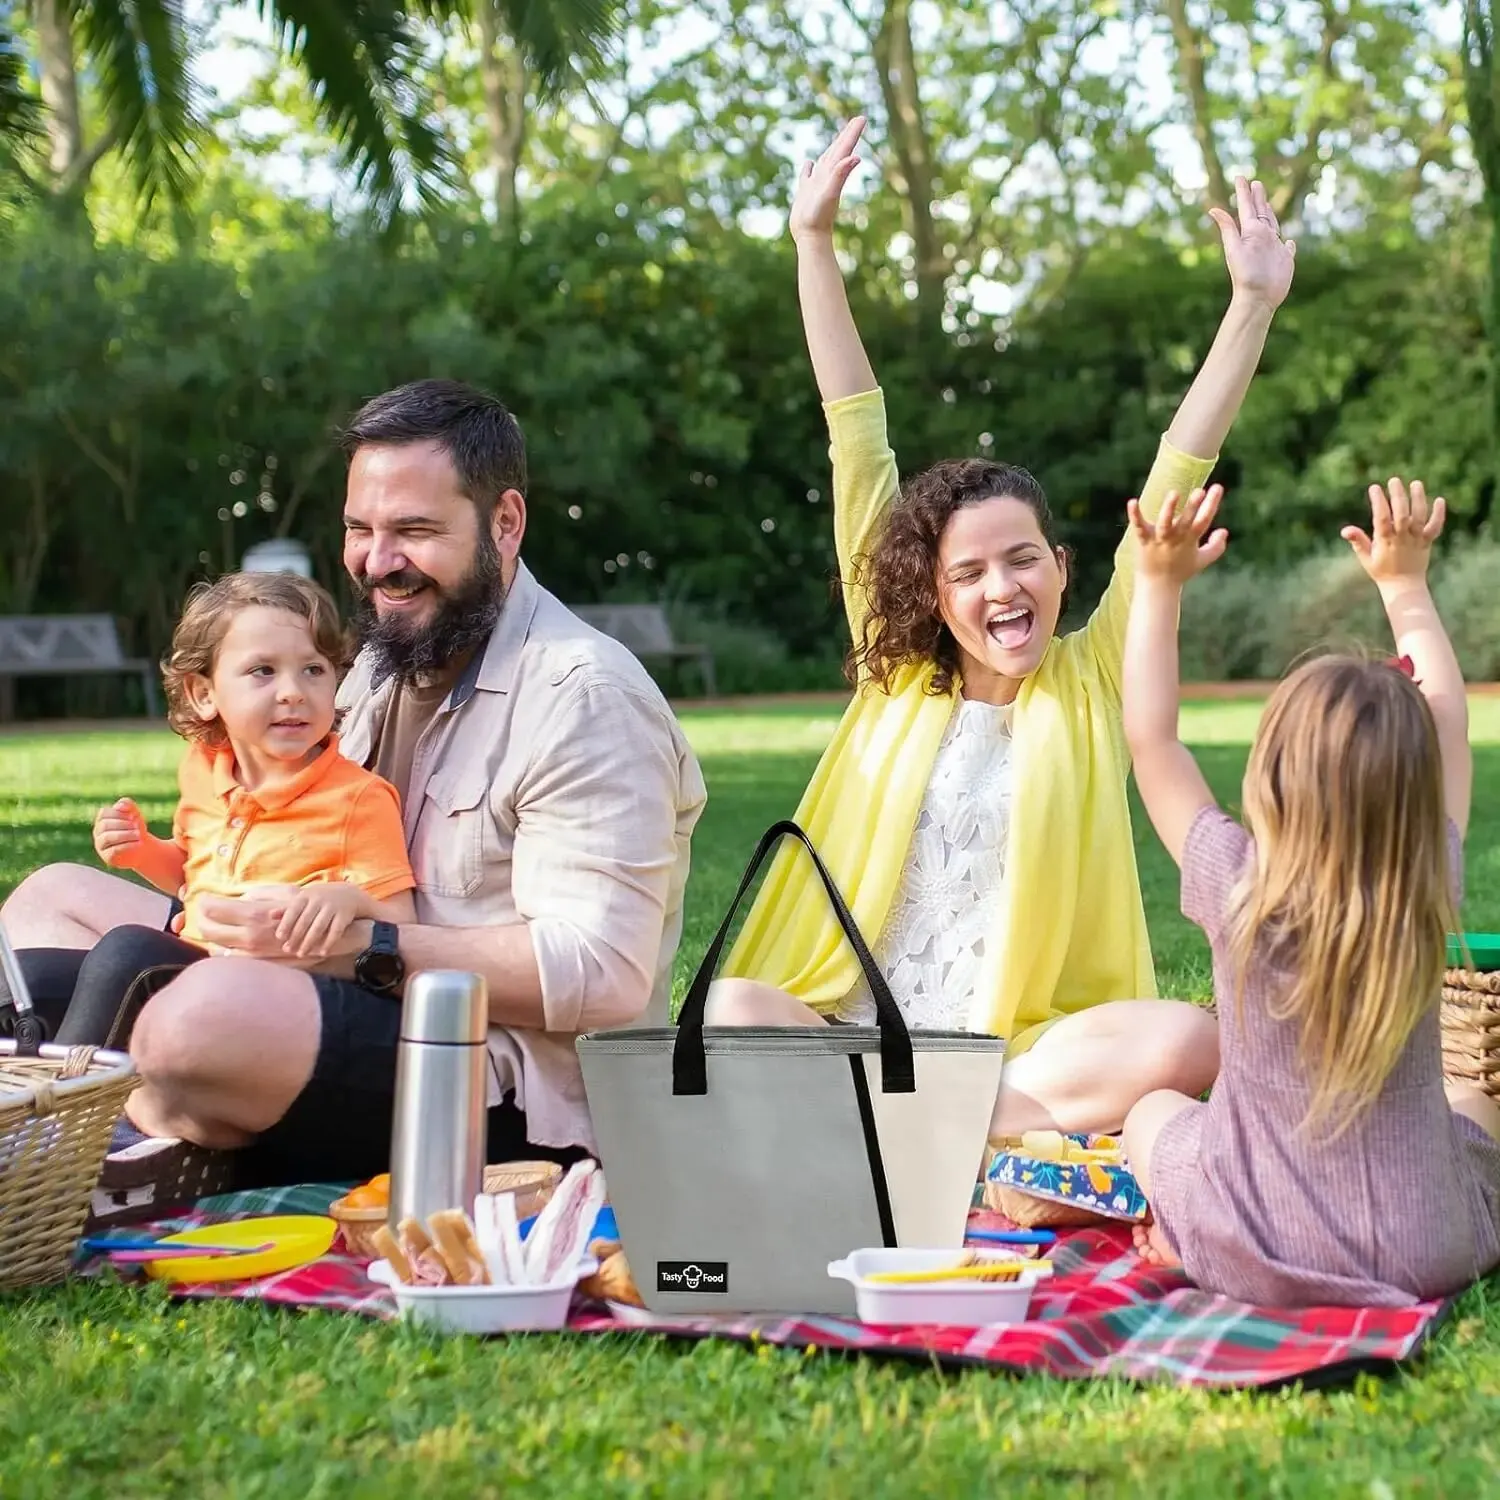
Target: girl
{"points": [[268, 807], [972, 802], [1329, 1166]]}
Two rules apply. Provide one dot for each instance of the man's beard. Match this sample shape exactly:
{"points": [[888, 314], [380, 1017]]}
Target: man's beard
{"points": [[465, 617]]}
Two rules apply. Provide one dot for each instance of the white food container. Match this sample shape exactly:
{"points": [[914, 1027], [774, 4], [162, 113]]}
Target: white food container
{"points": [[485, 1309], [957, 1304]]}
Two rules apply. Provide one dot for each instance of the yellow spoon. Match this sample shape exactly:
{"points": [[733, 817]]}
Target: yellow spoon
{"points": [[995, 1271]]}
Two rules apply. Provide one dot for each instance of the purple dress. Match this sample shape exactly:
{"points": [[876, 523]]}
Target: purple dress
{"points": [[1403, 1206]]}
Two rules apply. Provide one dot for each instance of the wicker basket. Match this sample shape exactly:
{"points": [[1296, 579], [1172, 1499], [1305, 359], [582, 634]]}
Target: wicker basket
{"points": [[57, 1114], [533, 1183], [1471, 1029]]}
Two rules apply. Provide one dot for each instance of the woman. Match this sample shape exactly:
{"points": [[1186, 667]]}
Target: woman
{"points": [[971, 804]]}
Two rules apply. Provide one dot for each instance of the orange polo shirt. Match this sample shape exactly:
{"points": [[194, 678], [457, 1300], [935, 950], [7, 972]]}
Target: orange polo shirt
{"points": [[332, 821]]}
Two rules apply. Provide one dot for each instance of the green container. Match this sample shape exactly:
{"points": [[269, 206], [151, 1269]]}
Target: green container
{"points": [[1484, 951]]}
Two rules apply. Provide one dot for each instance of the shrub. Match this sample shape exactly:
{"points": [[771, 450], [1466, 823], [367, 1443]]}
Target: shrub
{"points": [[748, 657], [1325, 601], [1226, 624], [1468, 594], [1254, 622]]}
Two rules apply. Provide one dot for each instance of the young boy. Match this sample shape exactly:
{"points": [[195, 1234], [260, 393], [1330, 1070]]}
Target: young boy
{"points": [[269, 808]]}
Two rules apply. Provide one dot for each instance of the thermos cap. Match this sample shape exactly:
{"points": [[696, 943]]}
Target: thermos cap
{"points": [[445, 1005]]}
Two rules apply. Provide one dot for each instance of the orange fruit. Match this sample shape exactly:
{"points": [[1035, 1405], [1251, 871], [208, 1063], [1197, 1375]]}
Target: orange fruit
{"points": [[366, 1197]]}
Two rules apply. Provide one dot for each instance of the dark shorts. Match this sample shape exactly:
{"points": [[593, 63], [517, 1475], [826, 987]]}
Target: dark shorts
{"points": [[338, 1129], [339, 1126]]}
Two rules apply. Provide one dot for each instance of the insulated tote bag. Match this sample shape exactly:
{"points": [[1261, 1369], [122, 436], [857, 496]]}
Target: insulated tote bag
{"points": [[741, 1161]]}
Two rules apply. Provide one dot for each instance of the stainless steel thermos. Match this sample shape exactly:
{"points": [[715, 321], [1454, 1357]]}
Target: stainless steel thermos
{"points": [[438, 1134]]}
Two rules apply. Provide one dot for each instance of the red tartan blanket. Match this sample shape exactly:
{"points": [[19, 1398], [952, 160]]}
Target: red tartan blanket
{"points": [[1103, 1313]]}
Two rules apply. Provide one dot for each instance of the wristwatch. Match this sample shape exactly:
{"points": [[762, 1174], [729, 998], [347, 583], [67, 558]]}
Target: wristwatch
{"points": [[379, 967]]}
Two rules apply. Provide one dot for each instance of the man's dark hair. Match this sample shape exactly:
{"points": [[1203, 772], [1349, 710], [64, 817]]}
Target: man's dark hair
{"points": [[480, 436]]}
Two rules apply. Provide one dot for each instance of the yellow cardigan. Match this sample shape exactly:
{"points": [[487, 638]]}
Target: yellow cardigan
{"points": [[1072, 929]]}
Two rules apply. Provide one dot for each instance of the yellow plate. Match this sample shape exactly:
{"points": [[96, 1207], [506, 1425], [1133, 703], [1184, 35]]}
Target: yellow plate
{"points": [[295, 1239]]}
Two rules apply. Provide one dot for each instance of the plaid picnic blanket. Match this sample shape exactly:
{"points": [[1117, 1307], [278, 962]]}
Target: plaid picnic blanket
{"points": [[1103, 1312]]}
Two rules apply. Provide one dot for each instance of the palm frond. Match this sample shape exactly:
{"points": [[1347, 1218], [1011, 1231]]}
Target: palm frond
{"points": [[139, 54], [562, 41], [360, 56]]}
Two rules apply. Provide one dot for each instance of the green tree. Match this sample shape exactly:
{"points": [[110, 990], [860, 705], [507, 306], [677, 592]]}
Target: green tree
{"points": [[360, 56], [1356, 88]]}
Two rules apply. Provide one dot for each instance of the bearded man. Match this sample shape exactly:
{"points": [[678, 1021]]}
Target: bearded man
{"points": [[549, 799]]}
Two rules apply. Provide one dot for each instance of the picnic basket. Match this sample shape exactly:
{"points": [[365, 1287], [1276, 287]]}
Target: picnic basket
{"points": [[58, 1108], [1471, 1013]]}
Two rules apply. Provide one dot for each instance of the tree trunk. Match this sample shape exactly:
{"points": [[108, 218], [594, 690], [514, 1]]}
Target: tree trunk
{"points": [[503, 76], [896, 63], [1493, 321], [1482, 96], [1193, 78], [59, 81]]}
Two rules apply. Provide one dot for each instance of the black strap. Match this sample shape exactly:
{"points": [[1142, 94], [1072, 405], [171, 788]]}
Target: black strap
{"points": [[689, 1070], [872, 1151]]}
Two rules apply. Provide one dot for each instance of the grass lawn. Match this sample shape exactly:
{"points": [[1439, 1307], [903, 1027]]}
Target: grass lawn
{"points": [[122, 1392]]}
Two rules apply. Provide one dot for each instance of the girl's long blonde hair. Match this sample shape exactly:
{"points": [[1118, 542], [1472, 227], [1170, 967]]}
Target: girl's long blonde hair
{"points": [[1349, 895]]}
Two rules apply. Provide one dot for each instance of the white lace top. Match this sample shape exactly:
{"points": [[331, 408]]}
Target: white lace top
{"points": [[946, 908]]}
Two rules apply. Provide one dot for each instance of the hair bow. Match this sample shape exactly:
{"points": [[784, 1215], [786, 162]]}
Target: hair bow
{"points": [[1403, 664]]}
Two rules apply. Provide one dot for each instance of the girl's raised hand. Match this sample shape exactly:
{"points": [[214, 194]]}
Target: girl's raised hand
{"points": [[815, 205], [1174, 546], [1260, 262], [1403, 527]]}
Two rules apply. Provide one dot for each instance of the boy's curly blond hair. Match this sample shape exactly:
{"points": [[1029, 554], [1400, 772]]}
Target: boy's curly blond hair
{"points": [[205, 621]]}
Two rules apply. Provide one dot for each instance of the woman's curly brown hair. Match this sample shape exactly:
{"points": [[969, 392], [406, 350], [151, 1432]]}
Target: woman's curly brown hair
{"points": [[205, 621], [899, 574]]}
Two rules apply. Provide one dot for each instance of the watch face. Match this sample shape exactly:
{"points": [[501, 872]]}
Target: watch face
{"points": [[380, 971]]}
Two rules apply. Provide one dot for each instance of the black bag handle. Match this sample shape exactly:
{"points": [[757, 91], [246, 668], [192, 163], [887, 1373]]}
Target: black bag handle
{"points": [[689, 1071]]}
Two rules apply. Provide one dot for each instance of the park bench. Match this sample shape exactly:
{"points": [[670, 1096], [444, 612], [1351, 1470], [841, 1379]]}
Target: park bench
{"points": [[66, 646], [644, 629]]}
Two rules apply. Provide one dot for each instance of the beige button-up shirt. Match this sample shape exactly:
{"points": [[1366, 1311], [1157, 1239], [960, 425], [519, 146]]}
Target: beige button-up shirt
{"points": [[553, 787]]}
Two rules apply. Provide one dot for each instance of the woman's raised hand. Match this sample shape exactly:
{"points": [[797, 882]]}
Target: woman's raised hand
{"points": [[815, 205], [1260, 261]]}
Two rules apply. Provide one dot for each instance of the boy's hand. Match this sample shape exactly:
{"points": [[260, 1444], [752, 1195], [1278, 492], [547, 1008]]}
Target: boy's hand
{"points": [[1404, 526], [815, 205], [1173, 547], [1260, 262], [120, 834], [317, 916]]}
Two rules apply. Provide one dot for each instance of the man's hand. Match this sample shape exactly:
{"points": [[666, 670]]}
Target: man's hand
{"points": [[120, 835], [1260, 261], [1173, 548], [815, 205], [1404, 527]]}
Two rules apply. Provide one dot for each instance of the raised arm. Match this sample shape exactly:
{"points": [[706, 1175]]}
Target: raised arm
{"points": [[839, 362], [865, 478], [1172, 550], [1395, 554], [1260, 267]]}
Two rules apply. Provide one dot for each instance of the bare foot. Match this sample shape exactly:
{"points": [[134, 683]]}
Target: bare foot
{"points": [[1153, 1246]]}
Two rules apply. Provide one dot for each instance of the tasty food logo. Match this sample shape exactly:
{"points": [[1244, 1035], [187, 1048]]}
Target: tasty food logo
{"points": [[692, 1276]]}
